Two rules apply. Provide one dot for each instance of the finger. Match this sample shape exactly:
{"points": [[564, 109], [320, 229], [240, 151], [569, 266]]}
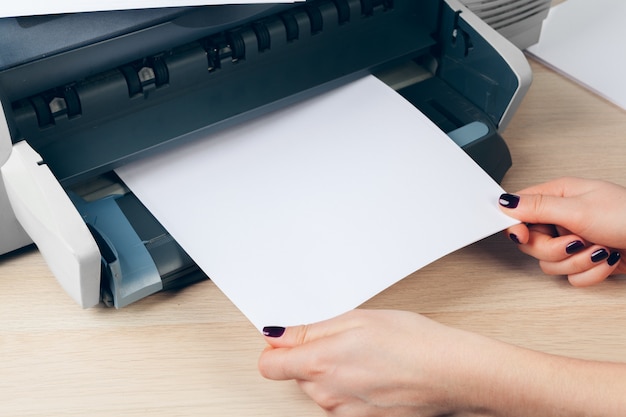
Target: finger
{"points": [[561, 187], [583, 261], [543, 209], [547, 248], [518, 233], [279, 337], [561, 231], [276, 364], [544, 229], [295, 351], [301, 362], [596, 274]]}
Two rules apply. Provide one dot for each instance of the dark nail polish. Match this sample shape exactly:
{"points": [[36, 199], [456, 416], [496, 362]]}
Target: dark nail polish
{"points": [[599, 255], [273, 331], [514, 238], [509, 200], [574, 247], [613, 258]]}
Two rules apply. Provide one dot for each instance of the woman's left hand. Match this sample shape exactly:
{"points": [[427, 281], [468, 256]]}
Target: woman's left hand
{"points": [[379, 363]]}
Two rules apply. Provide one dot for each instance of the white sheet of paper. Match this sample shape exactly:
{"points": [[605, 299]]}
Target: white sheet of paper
{"points": [[583, 40], [40, 7], [306, 213]]}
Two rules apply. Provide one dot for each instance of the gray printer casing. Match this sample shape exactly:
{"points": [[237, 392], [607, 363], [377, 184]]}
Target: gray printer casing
{"points": [[83, 94]]}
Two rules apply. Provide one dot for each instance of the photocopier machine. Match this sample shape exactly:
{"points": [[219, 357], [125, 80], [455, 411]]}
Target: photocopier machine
{"points": [[82, 94]]}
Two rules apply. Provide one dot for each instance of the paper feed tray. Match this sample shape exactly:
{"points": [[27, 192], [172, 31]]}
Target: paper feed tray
{"points": [[139, 257]]}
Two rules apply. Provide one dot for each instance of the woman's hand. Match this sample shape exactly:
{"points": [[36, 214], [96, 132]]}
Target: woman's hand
{"points": [[381, 363], [573, 226]]}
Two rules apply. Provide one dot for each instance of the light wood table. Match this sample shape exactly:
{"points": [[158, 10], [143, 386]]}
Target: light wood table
{"points": [[192, 353]]}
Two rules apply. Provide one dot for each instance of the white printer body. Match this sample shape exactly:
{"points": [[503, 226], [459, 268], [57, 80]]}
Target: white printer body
{"points": [[84, 94]]}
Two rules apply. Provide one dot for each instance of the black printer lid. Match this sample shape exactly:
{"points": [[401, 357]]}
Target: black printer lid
{"points": [[25, 39], [63, 40], [92, 108]]}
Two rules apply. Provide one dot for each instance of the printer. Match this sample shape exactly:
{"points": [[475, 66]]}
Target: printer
{"points": [[83, 94]]}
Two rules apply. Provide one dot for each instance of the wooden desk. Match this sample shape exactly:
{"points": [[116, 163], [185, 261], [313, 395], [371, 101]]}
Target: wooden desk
{"points": [[191, 353]]}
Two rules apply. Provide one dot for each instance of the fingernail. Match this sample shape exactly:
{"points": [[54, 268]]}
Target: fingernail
{"points": [[599, 255], [509, 200], [514, 238], [574, 247], [273, 331], [613, 258]]}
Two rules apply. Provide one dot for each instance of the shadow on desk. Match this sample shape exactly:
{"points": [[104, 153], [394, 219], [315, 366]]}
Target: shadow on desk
{"points": [[17, 253]]}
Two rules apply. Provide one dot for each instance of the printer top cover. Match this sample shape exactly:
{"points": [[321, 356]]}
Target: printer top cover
{"points": [[90, 100]]}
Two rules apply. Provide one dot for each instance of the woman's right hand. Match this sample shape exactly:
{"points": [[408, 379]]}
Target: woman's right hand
{"points": [[574, 227]]}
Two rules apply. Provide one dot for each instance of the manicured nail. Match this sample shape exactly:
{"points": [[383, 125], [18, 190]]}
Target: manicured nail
{"points": [[599, 255], [514, 238], [509, 200], [613, 258], [574, 247], [273, 331]]}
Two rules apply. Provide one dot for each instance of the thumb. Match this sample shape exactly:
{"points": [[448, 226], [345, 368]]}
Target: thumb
{"points": [[281, 337], [541, 209], [291, 348]]}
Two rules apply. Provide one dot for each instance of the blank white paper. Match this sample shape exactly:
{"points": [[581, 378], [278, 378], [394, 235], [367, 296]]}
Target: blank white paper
{"points": [[40, 7], [583, 40], [306, 213]]}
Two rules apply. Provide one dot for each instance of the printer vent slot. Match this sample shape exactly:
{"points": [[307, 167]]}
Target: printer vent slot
{"points": [[368, 7], [143, 75], [501, 15]]}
